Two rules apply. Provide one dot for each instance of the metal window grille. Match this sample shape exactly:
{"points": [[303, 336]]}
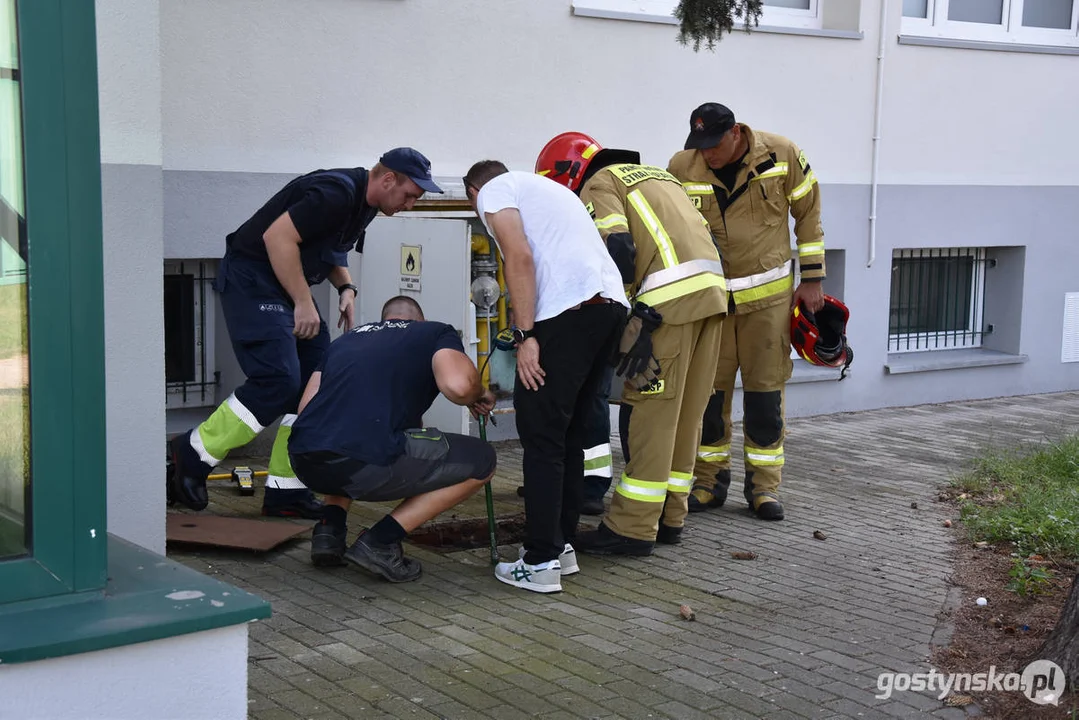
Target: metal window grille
{"points": [[937, 298], [190, 375]]}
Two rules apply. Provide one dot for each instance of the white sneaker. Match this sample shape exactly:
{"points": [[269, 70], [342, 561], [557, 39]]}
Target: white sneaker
{"points": [[544, 578], [568, 560]]}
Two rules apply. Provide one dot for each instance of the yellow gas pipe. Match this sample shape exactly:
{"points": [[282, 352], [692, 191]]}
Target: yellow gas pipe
{"points": [[481, 246]]}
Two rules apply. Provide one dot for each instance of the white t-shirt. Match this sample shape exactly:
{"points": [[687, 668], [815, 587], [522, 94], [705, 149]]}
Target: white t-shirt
{"points": [[571, 259]]}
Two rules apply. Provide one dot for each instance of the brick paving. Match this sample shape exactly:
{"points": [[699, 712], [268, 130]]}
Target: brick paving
{"points": [[802, 631]]}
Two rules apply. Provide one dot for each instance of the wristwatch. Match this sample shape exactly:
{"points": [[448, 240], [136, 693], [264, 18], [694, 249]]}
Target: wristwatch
{"points": [[349, 286], [519, 335]]}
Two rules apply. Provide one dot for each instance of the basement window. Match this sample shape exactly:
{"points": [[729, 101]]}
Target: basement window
{"points": [[937, 299], [190, 372]]}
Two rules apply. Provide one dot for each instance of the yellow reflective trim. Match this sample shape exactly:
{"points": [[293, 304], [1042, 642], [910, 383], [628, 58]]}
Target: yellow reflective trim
{"points": [[762, 278], [590, 151], [779, 170], [679, 482], [655, 228], [814, 248], [803, 189], [641, 490], [610, 221], [764, 456], [544, 172], [682, 288], [763, 291], [807, 358], [697, 188], [714, 453]]}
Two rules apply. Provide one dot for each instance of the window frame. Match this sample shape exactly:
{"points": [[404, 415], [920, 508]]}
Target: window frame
{"points": [[663, 11], [936, 341], [1010, 30], [62, 179], [202, 390]]}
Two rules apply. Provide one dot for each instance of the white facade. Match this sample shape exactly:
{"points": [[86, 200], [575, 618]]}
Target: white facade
{"points": [[973, 154], [200, 676], [281, 85]]}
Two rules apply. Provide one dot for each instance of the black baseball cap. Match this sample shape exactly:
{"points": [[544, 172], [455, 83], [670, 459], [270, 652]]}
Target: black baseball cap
{"points": [[412, 163], [707, 126]]}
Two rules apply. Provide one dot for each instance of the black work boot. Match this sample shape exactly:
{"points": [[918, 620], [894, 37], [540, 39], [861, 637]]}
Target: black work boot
{"points": [[703, 497], [184, 484], [669, 535], [291, 503], [768, 507], [328, 545], [604, 541], [389, 561]]}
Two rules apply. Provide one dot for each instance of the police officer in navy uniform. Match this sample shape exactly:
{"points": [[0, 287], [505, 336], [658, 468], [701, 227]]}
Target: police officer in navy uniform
{"points": [[299, 238]]}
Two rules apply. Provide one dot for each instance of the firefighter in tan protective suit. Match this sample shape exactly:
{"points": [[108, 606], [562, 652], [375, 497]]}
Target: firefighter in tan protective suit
{"points": [[747, 183], [668, 354]]}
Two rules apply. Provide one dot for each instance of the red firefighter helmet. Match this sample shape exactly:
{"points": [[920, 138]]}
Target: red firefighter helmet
{"points": [[821, 337], [566, 157]]}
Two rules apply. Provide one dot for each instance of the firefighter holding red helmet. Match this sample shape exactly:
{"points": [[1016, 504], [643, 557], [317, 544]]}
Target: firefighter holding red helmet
{"points": [[747, 184], [669, 350]]}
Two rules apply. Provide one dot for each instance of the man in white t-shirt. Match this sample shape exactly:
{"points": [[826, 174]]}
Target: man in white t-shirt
{"points": [[569, 308]]}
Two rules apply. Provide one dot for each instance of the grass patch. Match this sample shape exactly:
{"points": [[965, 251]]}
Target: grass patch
{"points": [[13, 321], [1027, 498]]}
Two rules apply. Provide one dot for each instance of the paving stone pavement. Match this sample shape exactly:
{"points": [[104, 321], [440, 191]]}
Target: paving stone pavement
{"points": [[802, 631]]}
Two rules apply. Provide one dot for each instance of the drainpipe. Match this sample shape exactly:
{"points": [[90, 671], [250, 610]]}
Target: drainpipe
{"points": [[876, 135]]}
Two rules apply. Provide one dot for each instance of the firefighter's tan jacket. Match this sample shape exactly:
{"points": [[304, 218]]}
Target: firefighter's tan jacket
{"points": [[750, 223], [678, 271]]}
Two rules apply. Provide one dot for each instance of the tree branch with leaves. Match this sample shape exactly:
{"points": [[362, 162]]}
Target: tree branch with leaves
{"points": [[708, 20]]}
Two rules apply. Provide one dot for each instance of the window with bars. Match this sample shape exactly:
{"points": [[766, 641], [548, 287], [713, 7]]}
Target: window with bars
{"points": [[190, 376], [937, 299]]}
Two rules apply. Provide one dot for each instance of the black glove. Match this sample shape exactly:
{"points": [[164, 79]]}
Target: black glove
{"points": [[634, 359]]}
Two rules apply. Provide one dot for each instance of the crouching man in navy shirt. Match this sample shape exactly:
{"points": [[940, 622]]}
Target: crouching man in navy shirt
{"points": [[359, 435]]}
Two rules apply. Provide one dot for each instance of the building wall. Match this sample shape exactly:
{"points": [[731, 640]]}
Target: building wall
{"points": [[175, 679], [129, 82], [257, 90]]}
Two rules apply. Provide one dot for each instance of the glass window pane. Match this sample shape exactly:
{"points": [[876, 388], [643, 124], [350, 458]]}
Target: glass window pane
{"points": [[932, 297], [1047, 14], [14, 366], [793, 4], [916, 8], [978, 11]]}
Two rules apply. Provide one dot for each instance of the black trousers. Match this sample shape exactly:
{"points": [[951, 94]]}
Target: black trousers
{"points": [[575, 348]]}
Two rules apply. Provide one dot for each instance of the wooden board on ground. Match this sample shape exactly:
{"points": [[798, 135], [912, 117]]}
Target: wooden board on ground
{"points": [[230, 532]]}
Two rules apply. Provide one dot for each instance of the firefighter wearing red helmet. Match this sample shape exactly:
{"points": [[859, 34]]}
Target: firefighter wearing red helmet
{"points": [[747, 184], [672, 272]]}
